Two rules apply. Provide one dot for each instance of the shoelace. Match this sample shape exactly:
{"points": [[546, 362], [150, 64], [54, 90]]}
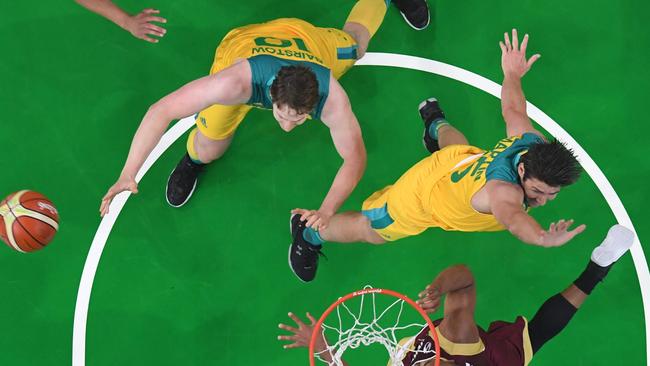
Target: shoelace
{"points": [[321, 254], [310, 248], [317, 255], [317, 252]]}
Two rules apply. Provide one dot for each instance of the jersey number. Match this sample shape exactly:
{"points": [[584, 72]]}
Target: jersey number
{"points": [[283, 43]]}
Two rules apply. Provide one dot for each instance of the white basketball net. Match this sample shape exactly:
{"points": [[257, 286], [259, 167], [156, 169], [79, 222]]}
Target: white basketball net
{"points": [[370, 324]]}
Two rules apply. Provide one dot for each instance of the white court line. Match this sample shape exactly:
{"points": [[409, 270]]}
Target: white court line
{"points": [[370, 59]]}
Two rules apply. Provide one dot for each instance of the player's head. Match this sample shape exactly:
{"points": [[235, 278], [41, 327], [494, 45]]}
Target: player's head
{"points": [[544, 169], [294, 93]]}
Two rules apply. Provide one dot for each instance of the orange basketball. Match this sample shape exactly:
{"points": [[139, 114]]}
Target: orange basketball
{"points": [[28, 221]]}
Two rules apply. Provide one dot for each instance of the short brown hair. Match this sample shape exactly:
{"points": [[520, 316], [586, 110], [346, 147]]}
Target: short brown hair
{"points": [[296, 87]]}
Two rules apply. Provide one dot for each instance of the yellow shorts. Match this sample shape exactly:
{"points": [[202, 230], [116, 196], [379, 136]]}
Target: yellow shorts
{"points": [[333, 48], [377, 209], [404, 208]]}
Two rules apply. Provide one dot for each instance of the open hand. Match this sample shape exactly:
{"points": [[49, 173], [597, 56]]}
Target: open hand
{"points": [[302, 335], [140, 25], [123, 184], [316, 220], [559, 234], [513, 56]]}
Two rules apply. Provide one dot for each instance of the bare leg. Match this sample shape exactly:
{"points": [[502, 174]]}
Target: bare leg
{"points": [[208, 149], [574, 295], [449, 135], [364, 20], [438, 132], [349, 227]]}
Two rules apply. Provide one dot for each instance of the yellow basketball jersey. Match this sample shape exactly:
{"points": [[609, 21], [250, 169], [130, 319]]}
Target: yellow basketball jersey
{"points": [[451, 197], [286, 38]]}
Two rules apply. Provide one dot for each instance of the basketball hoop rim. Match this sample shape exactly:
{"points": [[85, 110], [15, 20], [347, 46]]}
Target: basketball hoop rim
{"points": [[328, 311]]}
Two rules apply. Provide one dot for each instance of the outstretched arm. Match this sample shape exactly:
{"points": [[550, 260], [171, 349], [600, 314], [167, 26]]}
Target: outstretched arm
{"points": [[230, 86], [506, 205], [513, 101], [346, 135], [140, 25]]}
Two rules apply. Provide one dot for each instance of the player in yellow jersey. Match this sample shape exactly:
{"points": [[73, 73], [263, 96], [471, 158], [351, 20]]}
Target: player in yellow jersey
{"points": [[461, 187], [286, 65]]}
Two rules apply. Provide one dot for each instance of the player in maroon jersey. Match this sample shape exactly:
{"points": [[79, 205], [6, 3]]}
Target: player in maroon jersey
{"points": [[462, 342]]}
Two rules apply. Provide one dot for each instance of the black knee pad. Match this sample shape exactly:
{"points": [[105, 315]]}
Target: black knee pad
{"points": [[549, 320]]}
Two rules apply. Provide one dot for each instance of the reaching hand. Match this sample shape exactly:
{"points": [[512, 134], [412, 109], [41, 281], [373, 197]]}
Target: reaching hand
{"points": [[429, 299], [316, 220], [558, 233], [141, 27], [302, 335], [123, 184], [513, 57]]}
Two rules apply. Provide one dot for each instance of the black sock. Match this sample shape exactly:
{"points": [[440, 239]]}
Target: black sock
{"points": [[591, 276], [549, 320]]}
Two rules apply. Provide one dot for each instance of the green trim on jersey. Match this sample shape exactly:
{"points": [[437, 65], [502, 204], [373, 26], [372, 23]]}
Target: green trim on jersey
{"points": [[264, 69], [504, 165]]}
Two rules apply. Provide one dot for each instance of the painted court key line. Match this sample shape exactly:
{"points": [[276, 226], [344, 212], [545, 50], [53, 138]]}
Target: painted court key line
{"points": [[370, 59]]}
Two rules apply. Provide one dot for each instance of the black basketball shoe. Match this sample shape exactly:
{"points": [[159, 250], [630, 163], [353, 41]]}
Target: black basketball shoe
{"points": [[415, 12], [182, 181], [430, 112], [303, 256]]}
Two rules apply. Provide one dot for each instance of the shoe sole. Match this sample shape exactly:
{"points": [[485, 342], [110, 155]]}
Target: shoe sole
{"points": [[291, 219], [424, 143], [618, 241], [289, 256], [414, 27], [186, 199]]}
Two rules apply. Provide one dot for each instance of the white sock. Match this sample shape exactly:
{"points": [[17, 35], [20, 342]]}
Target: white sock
{"points": [[619, 239]]}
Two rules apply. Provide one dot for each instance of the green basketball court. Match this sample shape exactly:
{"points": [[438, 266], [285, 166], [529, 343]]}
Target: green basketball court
{"points": [[208, 283]]}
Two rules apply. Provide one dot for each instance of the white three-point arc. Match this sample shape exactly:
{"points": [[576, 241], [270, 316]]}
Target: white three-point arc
{"points": [[370, 59]]}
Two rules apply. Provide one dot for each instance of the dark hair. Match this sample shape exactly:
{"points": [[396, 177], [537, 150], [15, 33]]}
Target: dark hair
{"points": [[552, 163], [296, 87]]}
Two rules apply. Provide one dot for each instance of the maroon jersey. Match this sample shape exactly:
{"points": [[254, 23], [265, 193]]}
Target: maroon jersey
{"points": [[503, 344]]}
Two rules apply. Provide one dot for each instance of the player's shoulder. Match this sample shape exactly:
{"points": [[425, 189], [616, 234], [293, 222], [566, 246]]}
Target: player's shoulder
{"points": [[534, 136], [498, 189], [502, 170], [505, 199], [238, 73], [337, 102], [336, 92], [531, 137], [525, 138], [506, 154]]}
